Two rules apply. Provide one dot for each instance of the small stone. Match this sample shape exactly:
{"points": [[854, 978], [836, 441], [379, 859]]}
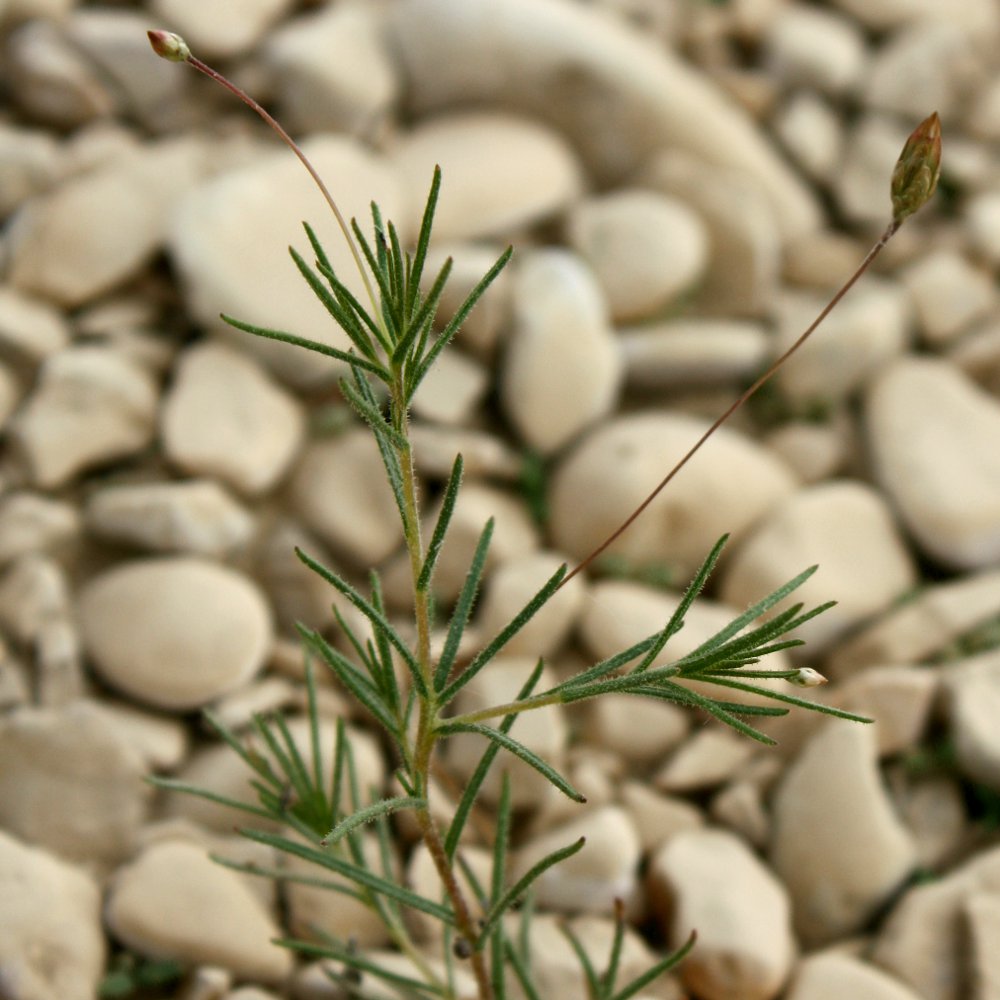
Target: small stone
{"points": [[848, 530], [423, 878], [710, 881], [34, 591], [71, 783], [833, 975], [223, 29], [972, 687], [740, 807], [710, 757], [32, 522], [983, 914], [175, 632], [978, 17], [40, 898], [197, 517], [616, 96], [870, 329], [950, 295], [544, 731], [339, 489], [224, 417], [619, 463], [934, 811], [562, 368], [30, 329], [29, 164], [815, 451], [924, 942], [812, 132], [50, 79], [332, 71], [640, 730], [898, 698], [931, 432], [217, 768], [500, 172], [173, 901], [511, 586], [90, 407], [452, 390], [206, 982], [837, 845], [657, 817], [861, 183], [98, 229], [978, 355], [645, 249], [819, 49], [685, 352], [485, 455], [590, 881], [744, 233], [162, 743], [913, 632], [229, 239], [928, 65], [982, 220]]}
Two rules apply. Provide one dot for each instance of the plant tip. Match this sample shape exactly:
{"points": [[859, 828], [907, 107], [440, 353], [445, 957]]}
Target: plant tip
{"points": [[167, 45], [917, 169]]}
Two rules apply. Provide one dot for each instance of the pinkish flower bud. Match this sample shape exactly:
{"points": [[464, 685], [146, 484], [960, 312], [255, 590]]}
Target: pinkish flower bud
{"points": [[167, 45], [917, 169]]}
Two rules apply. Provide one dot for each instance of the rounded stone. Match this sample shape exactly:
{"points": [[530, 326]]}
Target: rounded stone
{"points": [[617, 466], [175, 633], [644, 247]]}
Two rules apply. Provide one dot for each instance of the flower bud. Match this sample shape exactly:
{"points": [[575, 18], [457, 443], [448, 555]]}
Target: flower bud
{"points": [[806, 677], [917, 169], [167, 45]]}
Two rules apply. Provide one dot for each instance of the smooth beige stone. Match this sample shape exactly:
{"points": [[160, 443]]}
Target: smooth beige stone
{"points": [[983, 914], [97, 230], [338, 487], [31, 163], [500, 172], [173, 901], [71, 782], [709, 757], [52, 944], [223, 28], [921, 627], [332, 70], [90, 406], [31, 330], [847, 529], [196, 516], [709, 880], [453, 390], [924, 942], [832, 975], [615, 94], [931, 432], [33, 522], [225, 418], [175, 632], [972, 689], [605, 869], [641, 730], [645, 249], [34, 591], [837, 844], [562, 368], [618, 464], [657, 817], [950, 294], [811, 129], [229, 238]]}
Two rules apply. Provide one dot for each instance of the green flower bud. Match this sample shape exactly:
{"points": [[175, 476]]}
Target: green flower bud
{"points": [[917, 169], [167, 45]]}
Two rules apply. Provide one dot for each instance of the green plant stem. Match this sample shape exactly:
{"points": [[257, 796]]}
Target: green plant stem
{"points": [[830, 306], [511, 708]]}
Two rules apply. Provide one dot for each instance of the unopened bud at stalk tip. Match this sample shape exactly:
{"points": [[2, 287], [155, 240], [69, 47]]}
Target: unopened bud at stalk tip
{"points": [[806, 677], [167, 45], [917, 169]]}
